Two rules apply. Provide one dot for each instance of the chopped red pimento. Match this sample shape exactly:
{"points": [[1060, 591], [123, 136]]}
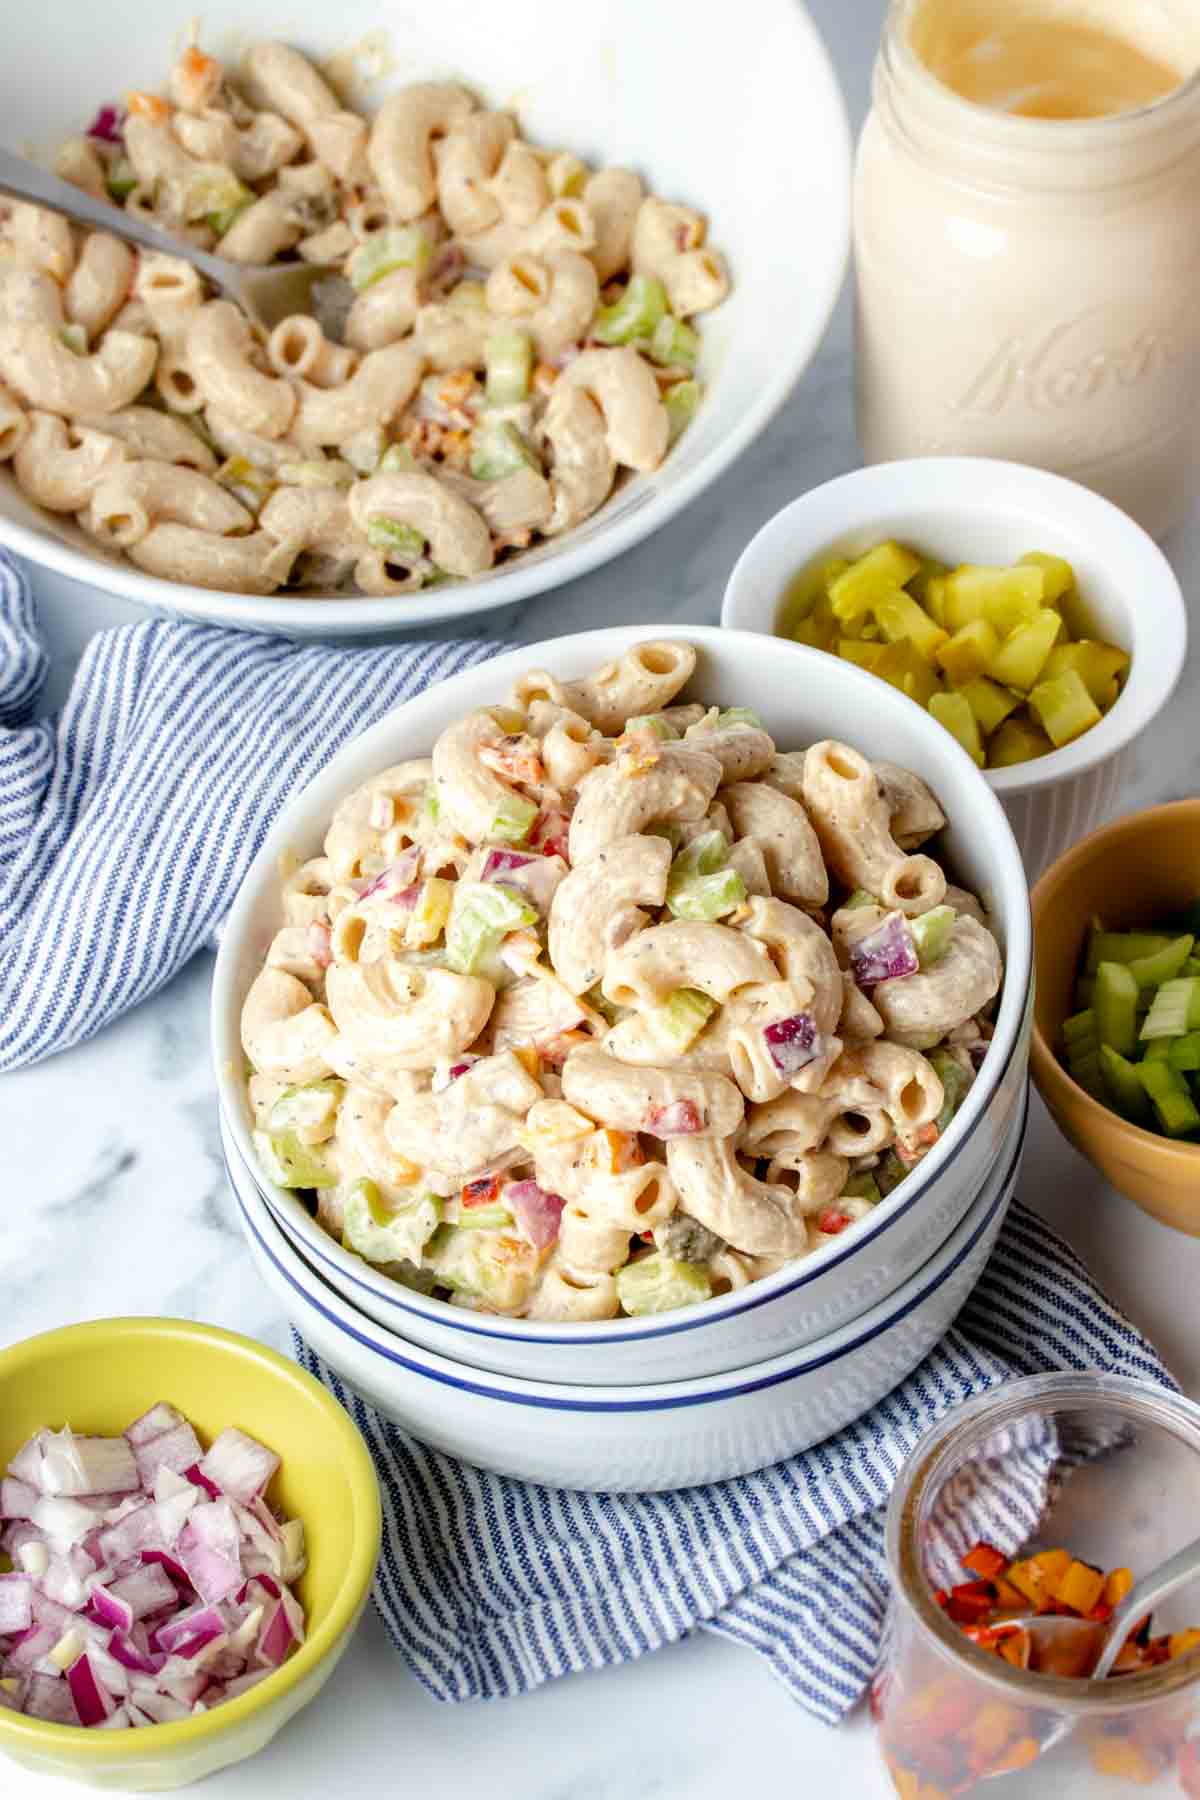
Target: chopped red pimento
{"points": [[481, 1192], [970, 1601], [319, 944], [680, 1119], [985, 1561], [514, 758], [551, 834], [832, 1220], [914, 1144], [940, 1597]]}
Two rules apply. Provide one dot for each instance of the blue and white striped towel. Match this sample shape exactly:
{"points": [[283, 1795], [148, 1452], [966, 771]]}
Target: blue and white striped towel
{"points": [[489, 1587], [127, 823]]}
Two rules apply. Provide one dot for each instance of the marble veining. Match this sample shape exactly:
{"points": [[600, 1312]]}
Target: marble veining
{"points": [[114, 1201]]}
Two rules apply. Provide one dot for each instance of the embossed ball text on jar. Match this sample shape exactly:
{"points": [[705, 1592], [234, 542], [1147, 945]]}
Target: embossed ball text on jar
{"points": [[1027, 268]]}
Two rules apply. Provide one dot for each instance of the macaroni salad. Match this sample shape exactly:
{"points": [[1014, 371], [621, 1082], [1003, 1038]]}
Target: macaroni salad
{"points": [[509, 331], [610, 1005]]}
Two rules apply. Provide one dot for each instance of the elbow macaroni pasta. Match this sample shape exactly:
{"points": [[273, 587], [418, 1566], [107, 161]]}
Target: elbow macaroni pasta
{"points": [[532, 1042], [513, 338]]}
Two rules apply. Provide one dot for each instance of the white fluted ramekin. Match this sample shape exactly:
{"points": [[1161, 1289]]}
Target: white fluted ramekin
{"points": [[802, 696], [969, 509]]}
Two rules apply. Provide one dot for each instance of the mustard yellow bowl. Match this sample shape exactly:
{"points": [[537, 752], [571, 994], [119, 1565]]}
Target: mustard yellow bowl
{"points": [[100, 1377], [1140, 869]]}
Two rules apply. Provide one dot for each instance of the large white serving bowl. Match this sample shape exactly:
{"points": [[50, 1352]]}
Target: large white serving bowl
{"points": [[653, 1435], [803, 696], [963, 509], [650, 87]]}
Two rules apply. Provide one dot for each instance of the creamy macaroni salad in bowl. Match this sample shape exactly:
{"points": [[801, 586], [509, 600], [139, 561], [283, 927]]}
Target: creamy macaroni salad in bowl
{"points": [[513, 331], [614, 1004]]}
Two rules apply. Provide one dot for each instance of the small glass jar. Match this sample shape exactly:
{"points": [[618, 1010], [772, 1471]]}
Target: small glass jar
{"points": [[1030, 288], [1102, 1466]]}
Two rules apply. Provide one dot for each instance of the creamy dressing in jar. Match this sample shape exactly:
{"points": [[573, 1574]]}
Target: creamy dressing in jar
{"points": [[1027, 242]]}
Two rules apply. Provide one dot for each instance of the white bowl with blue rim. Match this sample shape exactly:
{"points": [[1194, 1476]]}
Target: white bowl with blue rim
{"points": [[651, 88], [642, 1438], [802, 696]]}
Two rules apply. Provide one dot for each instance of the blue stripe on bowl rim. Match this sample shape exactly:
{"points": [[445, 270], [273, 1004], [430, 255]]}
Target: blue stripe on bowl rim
{"points": [[403, 1300], [1004, 1194]]}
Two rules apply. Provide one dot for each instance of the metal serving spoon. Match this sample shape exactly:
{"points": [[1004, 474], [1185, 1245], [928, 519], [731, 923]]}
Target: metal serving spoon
{"points": [[1089, 1647], [266, 293]]}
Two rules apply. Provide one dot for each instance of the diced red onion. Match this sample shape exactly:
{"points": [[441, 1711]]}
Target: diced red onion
{"points": [[176, 1449], [175, 1570], [17, 1498], [680, 1119], [239, 1465], [398, 877], [139, 1530], [163, 1709], [93, 1702], [132, 1656], [199, 1479], [110, 1609], [537, 1212], [65, 1579], [74, 1466], [152, 1424], [213, 1576], [275, 1639], [16, 1604], [536, 877], [107, 125], [29, 1649], [50, 1699], [117, 1720], [52, 1614], [61, 1521], [444, 1076], [145, 1590], [792, 1043], [885, 954], [189, 1631]]}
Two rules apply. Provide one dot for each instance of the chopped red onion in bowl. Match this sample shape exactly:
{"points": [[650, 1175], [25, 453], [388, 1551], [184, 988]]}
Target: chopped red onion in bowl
{"points": [[537, 1212], [151, 1578], [537, 877], [885, 954], [108, 125], [793, 1043]]}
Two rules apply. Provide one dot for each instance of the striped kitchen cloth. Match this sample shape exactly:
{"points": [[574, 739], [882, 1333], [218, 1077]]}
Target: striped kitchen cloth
{"points": [[489, 1587], [128, 822]]}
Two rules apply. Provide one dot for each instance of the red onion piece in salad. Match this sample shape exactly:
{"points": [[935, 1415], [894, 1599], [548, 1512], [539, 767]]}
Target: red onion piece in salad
{"points": [[108, 125], [537, 877], [680, 1119], [537, 1212], [397, 879], [793, 1043], [885, 954]]}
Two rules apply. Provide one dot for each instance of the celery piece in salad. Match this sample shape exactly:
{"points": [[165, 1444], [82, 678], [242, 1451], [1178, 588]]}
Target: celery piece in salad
{"points": [[508, 362], [399, 247], [1114, 1007], [497, 450], [122, 179], [635, 314], [431, 806], [291, 1163], [485, 1265], [682, 403], [681, 1017], [662, 728], [75, 338], [398, 540], [225, 217], [657, 1283], [700, 885], [427, 920], [1175, 1009], [380, 1233], [514, 821], [857, 899], [246, 482], [931, 933], [214, 192], [484, 1218], [862, 1186], [309, 1110], [955, 1084], [673, 345], [739, 715], [481, 914]]}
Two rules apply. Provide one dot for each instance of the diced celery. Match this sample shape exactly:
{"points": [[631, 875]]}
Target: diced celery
{"points": [[484, 1218], [662, 728], [1114, 1007], [955, 1084], [487, 1265], [291, 1163], [738, 715], [862, 1186], [969, 652], [514, 821], [1018, 662], [75, 338], [310, 1110], [931, 933], [1065, 708], [227, 216], [482, 912], [1157, 1050], [902, 666], [635, 314], [1170, 1097], [681, 1017], [1122, 946], [467, 297], [1079, 1025], [122, 179], [390, 535], [990, 703], [508, 358], [431, 806], [1058, 577], [857, 899], [682, 402], [1184, 1053], [880, 572], [700, 885], [978, 592], [399, 247], [397, 459], [900, 617], [952, 711], [703, 856], [656, 1283], [427, 920], [317, 472], [674, 345], [1017, 741], [497, 450], [384, 1234], [1175, 1009], [1124, 1085], [1162, 965]]}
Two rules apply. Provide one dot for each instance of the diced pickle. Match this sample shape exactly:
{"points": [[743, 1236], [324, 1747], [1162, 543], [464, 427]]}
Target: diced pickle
{"points": [[998, 595], [1017, 741], [1098, 667], [881, 571], [902, 619], [855, 650], [969, 652], [905, 668], [952, 711], [1018, 662], [990, 703], [1058, 577], [1065, 708]]}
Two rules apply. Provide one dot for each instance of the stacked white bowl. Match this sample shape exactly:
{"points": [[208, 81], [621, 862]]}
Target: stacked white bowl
{"points": [[745, 1378]]}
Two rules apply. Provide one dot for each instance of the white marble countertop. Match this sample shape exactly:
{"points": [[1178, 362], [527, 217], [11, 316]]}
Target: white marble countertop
{"points": [[117, 1203]]}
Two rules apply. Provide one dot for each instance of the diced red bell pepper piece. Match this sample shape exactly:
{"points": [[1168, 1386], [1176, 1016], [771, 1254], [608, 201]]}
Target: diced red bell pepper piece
{"points": [[985, 1561], [482, 1192]]}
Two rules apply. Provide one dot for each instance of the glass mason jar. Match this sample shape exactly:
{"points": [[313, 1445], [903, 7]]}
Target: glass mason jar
{"points": [[1029, 288], [1102, 1466]]}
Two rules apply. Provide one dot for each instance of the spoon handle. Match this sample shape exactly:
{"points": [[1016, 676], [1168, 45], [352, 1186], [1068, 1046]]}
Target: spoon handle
{"points": [[23, 180], [1143, 1597]]}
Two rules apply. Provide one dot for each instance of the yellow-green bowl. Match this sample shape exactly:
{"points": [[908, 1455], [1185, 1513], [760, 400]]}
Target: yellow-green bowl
{"points": [[98, 1378]]}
